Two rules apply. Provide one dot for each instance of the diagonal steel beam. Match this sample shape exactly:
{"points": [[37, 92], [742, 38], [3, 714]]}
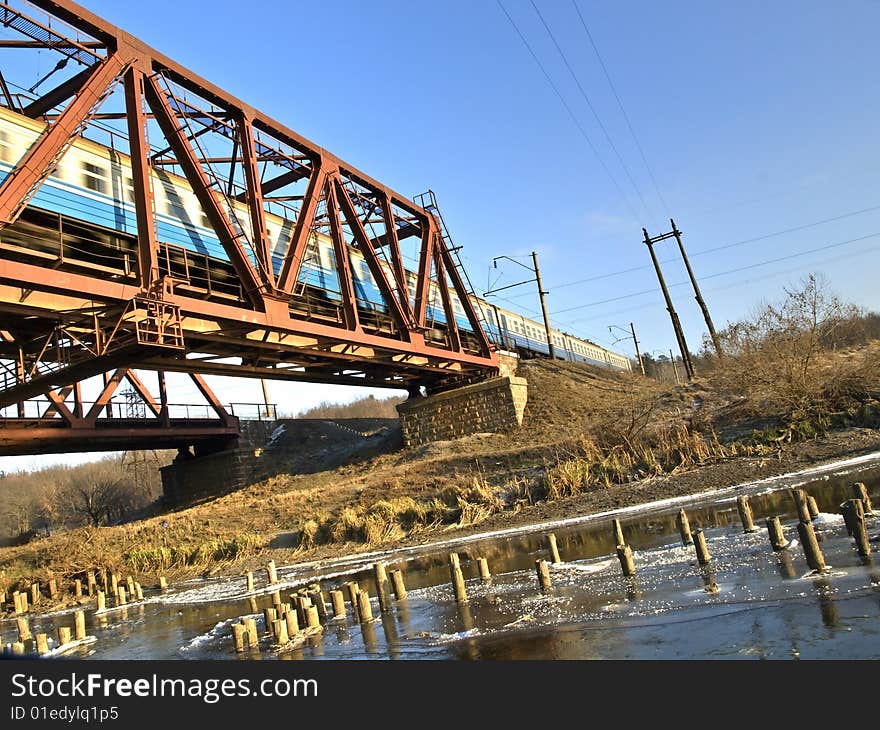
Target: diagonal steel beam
{"points": [[141, 176], [462, 292], [201, 186], [300, 240], [255, 201], [60, 93], [396, 257], [369, 254], [423, 280], [43, 156], [454, 336], [343, 265]]}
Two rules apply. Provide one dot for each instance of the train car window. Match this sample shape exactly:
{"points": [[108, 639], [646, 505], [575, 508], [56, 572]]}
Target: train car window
{"points": [[94, 177], [174, 203], [128, 189], [5, 146]]}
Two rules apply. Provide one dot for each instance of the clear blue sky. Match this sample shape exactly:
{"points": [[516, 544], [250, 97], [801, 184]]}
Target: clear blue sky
{"points": [[755, 118]]}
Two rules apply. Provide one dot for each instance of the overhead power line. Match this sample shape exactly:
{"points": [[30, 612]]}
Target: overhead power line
{"points": [[622, 109], [723, 287], [571, 113], [764, 237], [598, 119], [724, 273]]}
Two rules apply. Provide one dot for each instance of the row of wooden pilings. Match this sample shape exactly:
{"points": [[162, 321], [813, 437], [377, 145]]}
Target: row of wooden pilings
{"points": [[67, 636], [98, 585], [123, 591], [288, 623], [853, 510]]}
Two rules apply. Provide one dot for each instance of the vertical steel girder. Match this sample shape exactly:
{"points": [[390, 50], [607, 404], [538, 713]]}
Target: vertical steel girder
{"points": [[354, 203], [148, 260], [42, 157]]}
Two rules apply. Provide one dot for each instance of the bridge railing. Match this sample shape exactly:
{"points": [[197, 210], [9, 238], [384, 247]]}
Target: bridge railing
{"points": [[40, 409]]}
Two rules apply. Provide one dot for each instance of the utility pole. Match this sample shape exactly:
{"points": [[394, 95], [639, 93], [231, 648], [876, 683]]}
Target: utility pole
{"points": [[636, 343], [697, 295], [265, 397], [674, 368], [541, 294], [673, 315]]}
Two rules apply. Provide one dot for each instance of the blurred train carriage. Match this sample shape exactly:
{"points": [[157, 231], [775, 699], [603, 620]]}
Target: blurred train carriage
{"points": [[83, 217]]}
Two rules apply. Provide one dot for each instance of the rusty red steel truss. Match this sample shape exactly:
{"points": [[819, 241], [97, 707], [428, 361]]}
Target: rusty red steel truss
{"points": [[78, 301]]}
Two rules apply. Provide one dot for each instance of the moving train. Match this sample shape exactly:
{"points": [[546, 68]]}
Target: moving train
{"points": [[88, 205]]}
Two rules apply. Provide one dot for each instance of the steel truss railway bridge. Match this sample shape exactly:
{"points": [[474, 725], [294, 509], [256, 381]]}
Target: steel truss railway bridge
{"points": [[81, 302]]}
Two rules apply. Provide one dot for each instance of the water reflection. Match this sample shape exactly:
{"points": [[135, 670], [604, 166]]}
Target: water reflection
{"points": [[827, 604], [591, 611]]}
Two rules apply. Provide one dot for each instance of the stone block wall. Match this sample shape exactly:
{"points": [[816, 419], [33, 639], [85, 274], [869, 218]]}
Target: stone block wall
{"points": [[188, 481], [495, 405]]}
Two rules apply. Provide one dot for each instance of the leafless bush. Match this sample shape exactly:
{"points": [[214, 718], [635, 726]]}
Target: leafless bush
{"points": [[779, 357]]}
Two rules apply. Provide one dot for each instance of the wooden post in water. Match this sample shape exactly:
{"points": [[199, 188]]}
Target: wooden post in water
{"points": [[554, 550], [24, 629], [271, 572], [861, 492], [35, 593], [485, 575], [319, 603], [381, 577], [163, 583], [365, 612], [120, 600], [774, 530], [338, 601], [91, 583], [269, 616], [238, 633], [102, 600], [860, 533], [63, 635], [79, 623], [812, 506], [53, 589], [800, 500], [543, 571], [129, 584], [398, 584], [42, 644], [457, 578], [114, 585], [276, 599], [814, 556], [313, 620], [625, 556], [249, 582], [353, 590], [703, 557], [684, 527], [250, 625], [77, 588], [18, 648], [139, 591], [745, 513], [618, 532], [292, 623], [279, 629]]}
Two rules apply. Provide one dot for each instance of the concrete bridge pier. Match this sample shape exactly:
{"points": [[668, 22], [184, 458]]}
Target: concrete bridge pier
{"points": [[493, 405]]}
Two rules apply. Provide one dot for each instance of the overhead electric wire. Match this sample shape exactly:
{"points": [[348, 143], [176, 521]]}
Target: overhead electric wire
{"points": [[571, 113], [724, 273], [764, 237], [622, 109], [723, 287], [598, 119]]}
